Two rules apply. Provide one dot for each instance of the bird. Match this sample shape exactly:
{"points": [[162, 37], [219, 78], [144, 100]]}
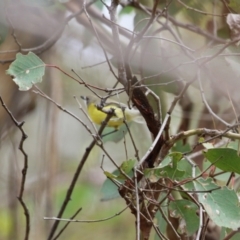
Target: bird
{"points": [[98, 112]]}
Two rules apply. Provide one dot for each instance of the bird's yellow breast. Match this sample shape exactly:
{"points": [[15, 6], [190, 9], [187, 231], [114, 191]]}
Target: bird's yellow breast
{"points": [[99, 116]]}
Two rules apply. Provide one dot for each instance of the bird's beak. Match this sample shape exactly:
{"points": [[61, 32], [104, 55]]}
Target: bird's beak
{"points": [[85, 99]]}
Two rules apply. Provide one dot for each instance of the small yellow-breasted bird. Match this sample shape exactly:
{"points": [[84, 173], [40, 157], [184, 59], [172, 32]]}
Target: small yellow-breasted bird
{"points": [[121, 112]]}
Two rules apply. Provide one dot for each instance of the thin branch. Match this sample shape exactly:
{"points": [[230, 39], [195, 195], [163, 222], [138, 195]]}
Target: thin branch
{"points": [[66, 225], [168, 222], [231, 234], [139, 36], [169, 40], [200, 11], [19, 125], [75, 79], [81, 163], [86, 221], [99, 41], [165, 122], [125, 146], [85, 113], [203, 131], [138, 223], [76, 175], [42, 94], [156, 228], [206, 103], [122, 76], [150, 149], [96, 138], [177, 23], [132, 140], [200, 229]]}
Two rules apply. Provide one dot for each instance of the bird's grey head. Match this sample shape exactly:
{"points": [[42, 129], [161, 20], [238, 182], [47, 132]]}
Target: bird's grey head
{"points": [[89, 99]]}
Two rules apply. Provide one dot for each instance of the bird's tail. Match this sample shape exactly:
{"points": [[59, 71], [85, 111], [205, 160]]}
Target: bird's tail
{"points": [[134, 115]]}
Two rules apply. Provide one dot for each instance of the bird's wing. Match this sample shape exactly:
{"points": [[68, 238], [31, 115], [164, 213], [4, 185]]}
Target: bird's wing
{"points": [[118, 111]]}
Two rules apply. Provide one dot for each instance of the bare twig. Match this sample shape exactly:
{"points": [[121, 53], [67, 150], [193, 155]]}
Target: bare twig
{"points": [[177, 23], [75, 177], [122, 76], [200, 229], [86, 221], [82, 162], [169, 223], [231, 234], [138, 223], [75, 79], [132, 140], [19, 125], [99, 41], [66, 225], [199, 11]]}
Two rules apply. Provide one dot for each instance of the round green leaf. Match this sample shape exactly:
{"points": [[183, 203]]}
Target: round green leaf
{"points": [[222, 205], [186, 211], [226, 159], [27, 70]]}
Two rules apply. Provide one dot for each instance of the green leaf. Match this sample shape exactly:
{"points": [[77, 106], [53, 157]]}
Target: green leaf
{"points": [[222, 205], [166, 161], [128, 165], [185, 166], [168, 167], [180, 147], [27, 70], [161, 222], [115, 136], [172, 170], [176, 157], [225, 159], [126, 10], [110, 175], [220, 178], [109, 190], [186, 211], [169, 172]]}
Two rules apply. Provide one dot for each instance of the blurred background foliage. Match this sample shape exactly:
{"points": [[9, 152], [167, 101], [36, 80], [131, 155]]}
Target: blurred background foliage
{"points": [[56, 142]]}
